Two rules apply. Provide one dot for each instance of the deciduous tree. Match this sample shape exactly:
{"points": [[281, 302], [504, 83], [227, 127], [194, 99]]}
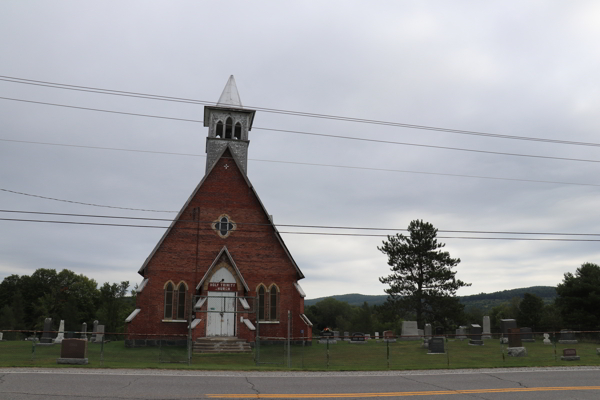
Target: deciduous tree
{"points": [[579, 297]]}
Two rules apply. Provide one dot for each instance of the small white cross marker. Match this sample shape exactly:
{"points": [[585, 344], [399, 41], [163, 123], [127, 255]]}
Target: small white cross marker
{"points": [[226, 166]]}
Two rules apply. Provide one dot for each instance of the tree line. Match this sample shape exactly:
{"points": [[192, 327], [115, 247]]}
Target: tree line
{"points": [[422, 287], [26, 301]]}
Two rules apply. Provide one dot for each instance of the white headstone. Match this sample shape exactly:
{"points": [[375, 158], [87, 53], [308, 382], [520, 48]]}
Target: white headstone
{"points": [[547, 339], [61, 332], [1, 335], [487, 332], [376, 335], [410, 331], [427, 331], [100, 334]]}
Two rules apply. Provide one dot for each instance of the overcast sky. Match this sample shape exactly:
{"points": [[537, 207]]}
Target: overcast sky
{"points": [[517, 68]]}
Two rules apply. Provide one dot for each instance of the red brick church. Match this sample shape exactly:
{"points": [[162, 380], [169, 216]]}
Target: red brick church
{"points": [[221, 268]]}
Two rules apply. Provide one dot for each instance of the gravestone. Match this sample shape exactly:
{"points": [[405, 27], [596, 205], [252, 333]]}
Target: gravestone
{"points": [[388, 336], [347, 336], [368, 336], [487, 331], [47, 335], [73, 351], [547, 340], [327, 337], [358, 338], [567, 337], [569, 355], [376, 335], [95, 329], [436, 345], [515, 347], [410, 331], [475, 335], [527, 335], [99, 334], [516, 351], [461, 333], [439, 330], [84, 331], [61, 332], [427, 331], [505, 325], [336, 335], [514, 337], [1, 336]]}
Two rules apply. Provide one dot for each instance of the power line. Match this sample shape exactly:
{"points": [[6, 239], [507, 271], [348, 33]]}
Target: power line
{"points": [[85, 204], [308, 133], [299, 233], [289, 112], [295, 225]]}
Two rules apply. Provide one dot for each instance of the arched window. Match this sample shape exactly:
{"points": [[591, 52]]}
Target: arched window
{"points": [[181, 303], [268, 303], [238, 131], [228, 128], [169, 301], [219, 132], [261, 303], [273, 302]]}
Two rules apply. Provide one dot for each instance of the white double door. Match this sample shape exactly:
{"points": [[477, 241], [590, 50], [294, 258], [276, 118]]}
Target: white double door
{"points": [[221, 307]]}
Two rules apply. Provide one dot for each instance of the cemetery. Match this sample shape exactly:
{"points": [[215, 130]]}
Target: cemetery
{"points": [[330, 350]]}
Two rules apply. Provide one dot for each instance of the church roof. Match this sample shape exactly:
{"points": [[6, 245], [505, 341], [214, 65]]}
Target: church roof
{"points": [[277, 234], [230, 95]]}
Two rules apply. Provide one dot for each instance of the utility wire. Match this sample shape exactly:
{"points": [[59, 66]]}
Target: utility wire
{"points": [[289, 112], [299, 233], [296, 225], [85, 204], [295, 132]]}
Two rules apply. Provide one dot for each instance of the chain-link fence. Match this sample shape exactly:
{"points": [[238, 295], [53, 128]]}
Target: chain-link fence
{"points": [[27, 348]]}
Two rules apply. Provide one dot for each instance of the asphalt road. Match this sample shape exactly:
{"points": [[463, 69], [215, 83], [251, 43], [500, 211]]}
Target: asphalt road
{"points": [[76, 384]]}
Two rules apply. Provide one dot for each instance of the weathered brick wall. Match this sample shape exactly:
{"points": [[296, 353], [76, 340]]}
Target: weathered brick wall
{"points": [[192, 245]]}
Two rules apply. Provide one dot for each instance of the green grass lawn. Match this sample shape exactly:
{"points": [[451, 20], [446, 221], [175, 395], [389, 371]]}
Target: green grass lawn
{"points": [[341, 356]]}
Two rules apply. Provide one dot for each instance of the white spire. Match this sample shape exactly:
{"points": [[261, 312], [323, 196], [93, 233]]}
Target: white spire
{"points": [[230, 95]]}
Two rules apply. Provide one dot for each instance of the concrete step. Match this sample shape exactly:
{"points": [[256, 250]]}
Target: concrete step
{"points": [[218, 344]]}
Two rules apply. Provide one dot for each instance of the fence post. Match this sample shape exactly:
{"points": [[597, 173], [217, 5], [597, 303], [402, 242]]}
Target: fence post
{"points": [[302, 332], [387, 342], [447, 350], [327, 340], [289, 353], [102, 352], [554, 341], [257, 343], [33, 346]]}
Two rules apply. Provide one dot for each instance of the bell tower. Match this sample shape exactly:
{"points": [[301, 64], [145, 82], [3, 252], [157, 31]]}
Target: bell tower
{"points": [[228, 125]]}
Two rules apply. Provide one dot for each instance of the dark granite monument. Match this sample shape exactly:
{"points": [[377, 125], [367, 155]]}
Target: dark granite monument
{"points": [[358, 338], [475, 332], [327, 337], [73, 351], [47, 335], [514, 337], [527, 335], [436, 345], [567, 337], [569, 355]]}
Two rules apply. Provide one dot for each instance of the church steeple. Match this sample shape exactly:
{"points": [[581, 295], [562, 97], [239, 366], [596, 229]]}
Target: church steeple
{"points": [[228, 125]]}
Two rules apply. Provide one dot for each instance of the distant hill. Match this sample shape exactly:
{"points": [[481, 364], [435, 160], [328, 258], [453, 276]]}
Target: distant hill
{"points": [[484, 301], [354, 299]]}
